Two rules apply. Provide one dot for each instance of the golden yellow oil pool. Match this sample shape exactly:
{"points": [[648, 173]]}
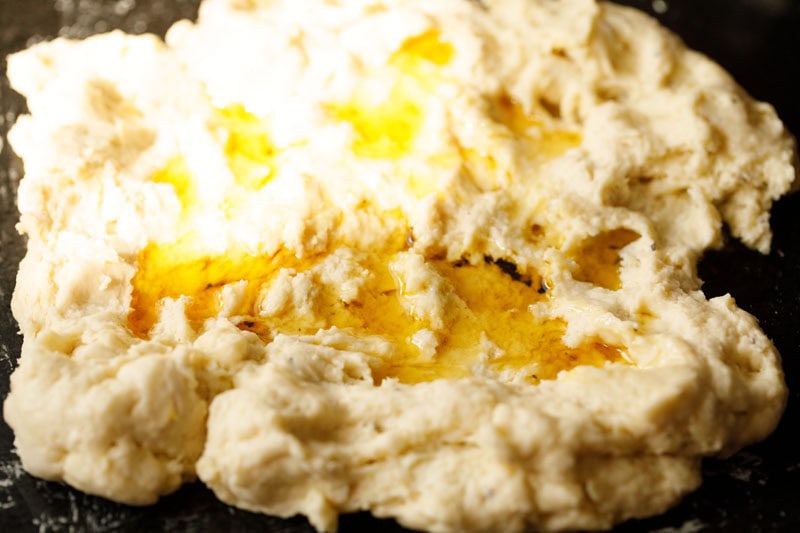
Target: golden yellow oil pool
{"points": [[598, 258], [490, 302]]}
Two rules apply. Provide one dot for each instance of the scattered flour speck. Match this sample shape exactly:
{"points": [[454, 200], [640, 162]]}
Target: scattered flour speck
{"points": [[690, 526]]}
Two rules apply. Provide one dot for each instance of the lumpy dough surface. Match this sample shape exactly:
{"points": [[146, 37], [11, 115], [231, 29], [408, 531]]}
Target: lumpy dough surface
{"points": [[434, 260]]}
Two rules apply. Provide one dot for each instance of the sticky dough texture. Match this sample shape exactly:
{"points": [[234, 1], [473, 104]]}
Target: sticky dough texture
{"points": [[671, 148]]}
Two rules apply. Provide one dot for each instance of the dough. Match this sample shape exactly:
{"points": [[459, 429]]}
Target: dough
{"points": [[434, 260]]}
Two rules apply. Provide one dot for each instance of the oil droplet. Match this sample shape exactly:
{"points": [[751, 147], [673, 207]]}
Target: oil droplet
{"points": [[598, 258]]}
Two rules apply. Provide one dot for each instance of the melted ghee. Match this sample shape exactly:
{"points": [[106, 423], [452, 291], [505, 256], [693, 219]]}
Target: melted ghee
{"points": [[425, 47], [176, 173], [172, 270], [488, 304], [598, 258], [248, 147], [250, 156], [385, 130], [498, 306], [543, 141]]}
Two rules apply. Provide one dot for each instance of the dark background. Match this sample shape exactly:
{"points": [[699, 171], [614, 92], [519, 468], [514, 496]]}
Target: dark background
{"points": [[756, 490]]}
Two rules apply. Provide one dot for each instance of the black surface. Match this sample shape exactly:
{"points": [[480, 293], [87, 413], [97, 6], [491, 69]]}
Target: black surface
{"points": [[756, 490]]}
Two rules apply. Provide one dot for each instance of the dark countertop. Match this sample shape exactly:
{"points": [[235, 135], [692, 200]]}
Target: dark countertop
{"points": [[758, 41]]}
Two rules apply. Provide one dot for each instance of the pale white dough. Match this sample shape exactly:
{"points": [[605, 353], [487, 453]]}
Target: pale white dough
{"points": [[656, 141]]}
